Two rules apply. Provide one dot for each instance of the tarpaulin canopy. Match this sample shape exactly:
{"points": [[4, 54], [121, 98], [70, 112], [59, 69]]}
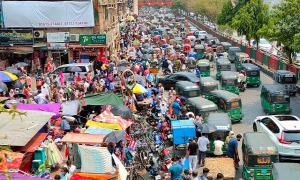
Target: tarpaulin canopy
{"points": [[104, 99], [98, 130], [93, 176], [19, 176], [103, 125], [31, 146], [51, 107], [83, 138], [108, 117], [10, 160], [70, 108]]}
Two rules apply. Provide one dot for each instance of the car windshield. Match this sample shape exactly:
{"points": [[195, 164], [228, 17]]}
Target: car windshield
{"points": [[291, 136], [235, 105], [263, 41], [202, 32], [252, 73], [290, 80]]}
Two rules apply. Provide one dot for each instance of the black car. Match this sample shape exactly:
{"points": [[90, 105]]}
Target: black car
{"points": [[171, 80]]}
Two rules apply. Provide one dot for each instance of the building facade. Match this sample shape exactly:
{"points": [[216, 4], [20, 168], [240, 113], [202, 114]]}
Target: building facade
{"points": [[61, 31]]}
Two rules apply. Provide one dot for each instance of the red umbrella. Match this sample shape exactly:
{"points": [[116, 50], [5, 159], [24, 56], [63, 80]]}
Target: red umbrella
{"points": [[164, 41], [187, 41], [190, 34], [156, 38], [186, 47]]}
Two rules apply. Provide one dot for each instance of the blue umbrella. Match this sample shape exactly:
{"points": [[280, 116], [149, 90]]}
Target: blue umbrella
{"points": [[1, 90], [165, 45], [7, 76]]}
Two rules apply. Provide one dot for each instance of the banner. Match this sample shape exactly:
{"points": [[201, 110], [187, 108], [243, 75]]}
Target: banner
{"points": [[16, 37], [57, 46], [93, 39], [45, 14], [58, 37]]}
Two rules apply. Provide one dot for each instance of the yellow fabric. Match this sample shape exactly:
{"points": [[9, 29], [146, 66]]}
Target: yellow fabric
{"points": [[103, 125]]}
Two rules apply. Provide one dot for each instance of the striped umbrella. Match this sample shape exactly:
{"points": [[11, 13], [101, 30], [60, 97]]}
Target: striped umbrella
{"points": [[7, 76]]}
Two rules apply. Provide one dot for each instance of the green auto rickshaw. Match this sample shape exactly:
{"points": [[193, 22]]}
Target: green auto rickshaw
{"points": [[179, 41], [274, 100], [199, 105], [253, 74], [229, 103], [231, 53], [245, 61], [286, 171], [238, 58], [199, 49], [259, 153], [204, 66], [229, 81], [188, 89], [222, 65], [225, 45], [206, 85], [223, 124]]}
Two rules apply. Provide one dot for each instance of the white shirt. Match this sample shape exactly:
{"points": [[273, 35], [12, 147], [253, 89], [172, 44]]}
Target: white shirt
{"points": [[202, 143], [86, 86], [71, 169], [225, 54], [44, 90], [218, 147]]}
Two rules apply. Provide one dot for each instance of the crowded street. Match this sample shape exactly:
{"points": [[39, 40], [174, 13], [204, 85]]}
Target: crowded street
{"points": [[156, 94]]}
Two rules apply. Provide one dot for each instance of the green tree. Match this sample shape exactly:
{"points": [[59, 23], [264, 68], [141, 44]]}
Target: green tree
{"points": [[284, 26], [250, 19], [177, 5], [226, 14]]}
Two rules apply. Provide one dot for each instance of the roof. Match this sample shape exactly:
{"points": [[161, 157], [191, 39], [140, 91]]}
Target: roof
{"points": [[31, 146], [249, 66], [234, 47], [203, 62], [104, 99], [76, 64], [199, 46], [210, 80], [229, 75], [187, 85], [286, 171], [223, 61], [19, 132], [189, 74], [226, 95], [202, 103], [225, 43], [219, 119], [80, 138], [242, 54], [283, 72], [259, 142], [181, 123], [274, 88]]}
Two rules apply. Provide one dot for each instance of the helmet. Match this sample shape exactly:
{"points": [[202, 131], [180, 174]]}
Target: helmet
{"points": [[152, 172], [127, 137], [164, 168], [243, 72]]}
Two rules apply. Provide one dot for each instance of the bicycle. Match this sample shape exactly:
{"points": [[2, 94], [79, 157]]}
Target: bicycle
{"points": [[132, 174]]}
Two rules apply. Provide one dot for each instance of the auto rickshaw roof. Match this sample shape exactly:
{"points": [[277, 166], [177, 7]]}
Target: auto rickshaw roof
{"points": [[283, 72], [178, 38], [228, 75], [219, 119], [226, 95], [259, 143], [203, 62], [202, 103], [199, 46], [234, 48], [187, 85], [242, 54], [274, 89], [208, 80], [286, 171], [225, 43], [248, 66], [223, 61]]}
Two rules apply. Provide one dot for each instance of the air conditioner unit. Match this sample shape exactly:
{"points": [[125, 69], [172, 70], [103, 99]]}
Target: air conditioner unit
{"points": [[38, 34], [74, 37]]}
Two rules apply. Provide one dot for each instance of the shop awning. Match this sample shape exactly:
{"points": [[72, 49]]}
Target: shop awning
{"points": [[31, 146], [104, 99], [83, 138], [37, 45], [18, 132], [76, 46]]}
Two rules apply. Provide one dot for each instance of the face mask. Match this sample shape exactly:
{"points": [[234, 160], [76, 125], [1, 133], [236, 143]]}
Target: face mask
{"points": [[232, 136], [207, 175]]}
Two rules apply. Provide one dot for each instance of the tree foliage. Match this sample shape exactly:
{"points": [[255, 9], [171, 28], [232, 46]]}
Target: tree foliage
{"points": [[250, 19], [178, 4], [226, 14], [284, 26]]}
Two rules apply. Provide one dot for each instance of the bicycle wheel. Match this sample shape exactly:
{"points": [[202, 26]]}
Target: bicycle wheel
{"points": [[137, 177]]}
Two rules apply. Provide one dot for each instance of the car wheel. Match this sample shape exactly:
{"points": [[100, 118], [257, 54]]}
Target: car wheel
{"points": [[254, 127]]}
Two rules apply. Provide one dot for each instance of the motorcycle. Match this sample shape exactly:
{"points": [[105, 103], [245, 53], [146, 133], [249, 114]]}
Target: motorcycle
{"points": [[153, 167], [242, 86], [166, 71], [154, 115]]}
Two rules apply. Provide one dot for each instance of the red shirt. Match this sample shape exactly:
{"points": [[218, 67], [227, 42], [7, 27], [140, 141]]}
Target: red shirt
{"points": [[78, 78], [26, 92]]}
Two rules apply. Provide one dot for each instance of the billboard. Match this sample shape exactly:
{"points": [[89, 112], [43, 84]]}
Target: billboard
{"points": [[93, 39], [58, 37], [16, 37], [46, 14]]}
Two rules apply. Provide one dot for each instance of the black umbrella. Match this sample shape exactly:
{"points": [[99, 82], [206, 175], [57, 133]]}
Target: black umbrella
{"points": [[18, 84], [146, 45], [122, 68], [114, 136], [139, 54], [74, 69], [139, 77], [14, 70], [123, 63], [147, 56], [3, 86], [121, 110], [20, 94], [207, 128], [20, 64]]}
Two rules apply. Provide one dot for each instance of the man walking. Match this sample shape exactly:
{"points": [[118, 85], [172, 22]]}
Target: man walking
{"points": [[202, 144], [232, 149], [175, 170], [191, 152]]}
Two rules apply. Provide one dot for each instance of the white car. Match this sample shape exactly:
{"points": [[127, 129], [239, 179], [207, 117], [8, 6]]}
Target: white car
{"points": [[264, 45], [193, 29], [284, 131], [202, 35]]}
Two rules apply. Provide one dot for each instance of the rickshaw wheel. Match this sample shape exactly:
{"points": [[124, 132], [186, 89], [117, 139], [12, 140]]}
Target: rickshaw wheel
{"points": [[254, 127]]}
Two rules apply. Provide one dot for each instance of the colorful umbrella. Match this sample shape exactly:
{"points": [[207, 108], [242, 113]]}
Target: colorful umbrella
{"points": [[121, 110], [131, 18], [139, 89], [165, 45], [7, 76], [187, 41], [186, 47]]}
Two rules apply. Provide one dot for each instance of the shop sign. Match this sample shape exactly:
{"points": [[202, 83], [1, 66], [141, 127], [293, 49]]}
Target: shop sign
{"points": [[93, 39], [16, 37], [16, 48], [58, 37], [57, 46]]}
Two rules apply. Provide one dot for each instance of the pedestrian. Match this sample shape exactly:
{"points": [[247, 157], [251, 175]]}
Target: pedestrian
{"points": [[191, 153], [175, 170], [64, 125], [57, 177], [161, 89], [204, 174], [218, 146], [64, 174], [195, 175], [180, 161], [232, 149], [28, 81], [186, 175], [230, 135], [220, 176], [202, 143], [71, 168], [176, 108]]}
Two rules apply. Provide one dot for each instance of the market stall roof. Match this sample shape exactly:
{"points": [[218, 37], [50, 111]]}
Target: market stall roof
{"points": [[31, 146], [51, 107], [104, 99], [83, 138], [18, 132], [19, 176]]}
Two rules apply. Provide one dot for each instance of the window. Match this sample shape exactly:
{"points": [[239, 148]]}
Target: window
{"points": [[291, 136], [172, 77], [222, 104], [182, 78], [272, 127], [266, 121]]}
